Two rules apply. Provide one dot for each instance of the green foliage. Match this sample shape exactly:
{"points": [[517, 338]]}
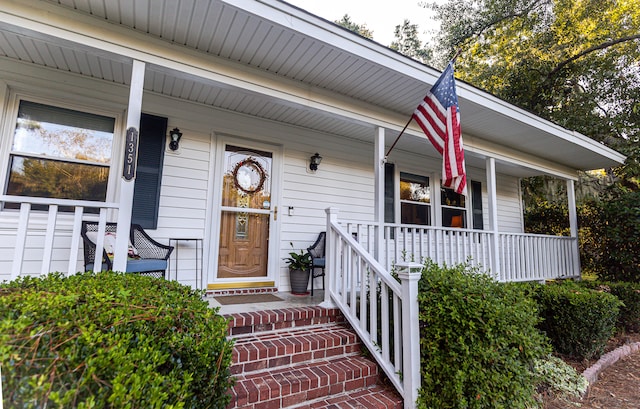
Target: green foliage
{"points": [[546, 217], [111, 340], [298, 261], [616, 231], [407, 42], [629, 294], [479, 341], [577, 320], [572, 62], [360, 29], [557, 378]]}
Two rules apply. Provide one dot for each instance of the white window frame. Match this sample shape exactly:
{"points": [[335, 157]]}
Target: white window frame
{"points": [[435, 206], [429, 205], [10, 119]]}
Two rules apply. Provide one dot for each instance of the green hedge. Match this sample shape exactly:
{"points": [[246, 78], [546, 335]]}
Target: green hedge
{"points": [[629, 294], [479, 341], [578, 321], [111, 340]]}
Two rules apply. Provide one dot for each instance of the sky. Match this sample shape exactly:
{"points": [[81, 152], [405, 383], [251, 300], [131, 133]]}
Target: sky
{"points": [[380, 16]]}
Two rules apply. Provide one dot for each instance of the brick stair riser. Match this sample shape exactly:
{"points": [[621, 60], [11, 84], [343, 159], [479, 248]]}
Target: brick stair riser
{"points": [[265, 321], [292, 347]]}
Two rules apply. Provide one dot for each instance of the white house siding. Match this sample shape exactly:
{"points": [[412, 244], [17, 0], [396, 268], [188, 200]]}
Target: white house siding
{"points": [[509, 204]]}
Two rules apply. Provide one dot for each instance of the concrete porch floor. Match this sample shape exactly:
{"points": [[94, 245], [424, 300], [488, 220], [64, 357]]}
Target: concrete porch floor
{"points": [[289, 300]]}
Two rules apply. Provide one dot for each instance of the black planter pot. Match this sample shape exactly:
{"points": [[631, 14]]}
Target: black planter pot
{"points": [[299, 281]]}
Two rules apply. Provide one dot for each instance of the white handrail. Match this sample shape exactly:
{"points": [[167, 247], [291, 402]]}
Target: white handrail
{"points": [[379, 307]]}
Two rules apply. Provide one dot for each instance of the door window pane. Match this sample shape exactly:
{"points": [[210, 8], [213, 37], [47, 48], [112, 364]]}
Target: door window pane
{"points": [[247, 178]]}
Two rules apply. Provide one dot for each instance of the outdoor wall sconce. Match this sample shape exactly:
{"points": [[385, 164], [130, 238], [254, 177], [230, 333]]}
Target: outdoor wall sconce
{"points": [[175, 136], [314, 161]]}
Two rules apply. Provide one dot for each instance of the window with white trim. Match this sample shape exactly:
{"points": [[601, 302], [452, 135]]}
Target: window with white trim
{"points": [[60, 153], [454, 210], [415, 199]]}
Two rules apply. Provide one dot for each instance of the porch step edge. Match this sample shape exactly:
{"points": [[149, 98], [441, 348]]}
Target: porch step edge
{"points": [[262, 351], [272, 320], [374, 397]]}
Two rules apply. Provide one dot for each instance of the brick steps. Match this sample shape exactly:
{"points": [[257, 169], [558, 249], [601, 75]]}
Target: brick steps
{"points": [[302, 358], [288, 347]]}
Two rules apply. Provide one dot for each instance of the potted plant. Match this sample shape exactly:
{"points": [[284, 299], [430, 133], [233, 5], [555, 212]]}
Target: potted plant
{"points": [[299, 264]]}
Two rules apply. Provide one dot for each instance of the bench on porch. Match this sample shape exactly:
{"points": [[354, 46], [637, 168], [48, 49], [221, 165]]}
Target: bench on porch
{"points": [[146, 256]]}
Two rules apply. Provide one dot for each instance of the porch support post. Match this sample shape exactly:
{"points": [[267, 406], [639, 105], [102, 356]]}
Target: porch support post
{"points": [[573, 225], [409, 275], [493, 217], [127, 186], [331, 260], [378, 160]]}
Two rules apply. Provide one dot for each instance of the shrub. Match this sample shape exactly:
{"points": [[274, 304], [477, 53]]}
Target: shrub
{"points": [[111, 340], [629, 294], [577, 320], [478, 341], [557, 378], [615, 228]]}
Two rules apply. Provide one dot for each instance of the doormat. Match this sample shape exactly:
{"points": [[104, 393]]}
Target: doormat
{"points": [[246, 299]]}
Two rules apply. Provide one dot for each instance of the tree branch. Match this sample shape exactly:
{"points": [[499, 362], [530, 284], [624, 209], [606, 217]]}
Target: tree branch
{"points": [[590, 50]]}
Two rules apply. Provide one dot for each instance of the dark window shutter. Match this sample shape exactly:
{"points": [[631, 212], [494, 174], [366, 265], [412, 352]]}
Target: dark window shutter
{"points": [[389, 192], [476, 205], [146, 196]]}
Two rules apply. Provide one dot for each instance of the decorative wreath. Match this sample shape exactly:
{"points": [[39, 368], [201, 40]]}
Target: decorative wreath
{"points": [[256, 165]]}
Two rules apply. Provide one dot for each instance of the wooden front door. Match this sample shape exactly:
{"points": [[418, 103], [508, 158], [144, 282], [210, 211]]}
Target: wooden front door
{"points": [[245, 214]]}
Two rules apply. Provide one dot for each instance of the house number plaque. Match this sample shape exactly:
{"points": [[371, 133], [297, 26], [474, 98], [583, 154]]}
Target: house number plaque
{"points": [[130, 154]]}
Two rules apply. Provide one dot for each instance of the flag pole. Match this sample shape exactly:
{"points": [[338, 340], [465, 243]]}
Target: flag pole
{"points": [[398, 138], [411, 118]]}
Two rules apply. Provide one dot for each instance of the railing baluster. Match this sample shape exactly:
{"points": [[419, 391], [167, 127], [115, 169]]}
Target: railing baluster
{"points": [[397, 332], [49, 236], [21, 240], [75, 240], [384, 312]]}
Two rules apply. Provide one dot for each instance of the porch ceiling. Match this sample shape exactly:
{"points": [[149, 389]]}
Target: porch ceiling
{"points": [[285, 44]]}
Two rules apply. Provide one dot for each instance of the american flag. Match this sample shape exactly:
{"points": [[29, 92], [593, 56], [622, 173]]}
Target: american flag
{"points": [[439, 117]]}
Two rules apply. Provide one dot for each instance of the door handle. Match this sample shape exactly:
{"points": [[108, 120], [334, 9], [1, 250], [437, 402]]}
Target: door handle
{"points": [[275, 213]]}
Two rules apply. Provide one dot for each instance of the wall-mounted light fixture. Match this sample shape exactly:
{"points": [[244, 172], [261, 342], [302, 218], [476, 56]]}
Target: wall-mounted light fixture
{"points": [[175, 136], [314, 161]]}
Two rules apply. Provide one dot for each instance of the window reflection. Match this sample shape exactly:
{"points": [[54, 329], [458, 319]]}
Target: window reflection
{"points": [[415, 197], [62, 133], [60, 153]]}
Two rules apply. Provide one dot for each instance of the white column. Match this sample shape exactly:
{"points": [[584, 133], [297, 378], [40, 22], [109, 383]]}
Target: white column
{"points": [[493, 216], [378, 162], [409, 274], [573, 225], [127, 186], [330, 258]]}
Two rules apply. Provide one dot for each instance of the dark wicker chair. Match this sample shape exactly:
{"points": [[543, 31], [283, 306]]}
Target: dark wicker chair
{"points": [[318, 259], [151, 258]]}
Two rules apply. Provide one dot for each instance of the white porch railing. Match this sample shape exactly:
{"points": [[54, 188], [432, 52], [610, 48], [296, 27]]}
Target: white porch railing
{"points": [[382, 310], [520, 257], [536, 257], [49, 240]]}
